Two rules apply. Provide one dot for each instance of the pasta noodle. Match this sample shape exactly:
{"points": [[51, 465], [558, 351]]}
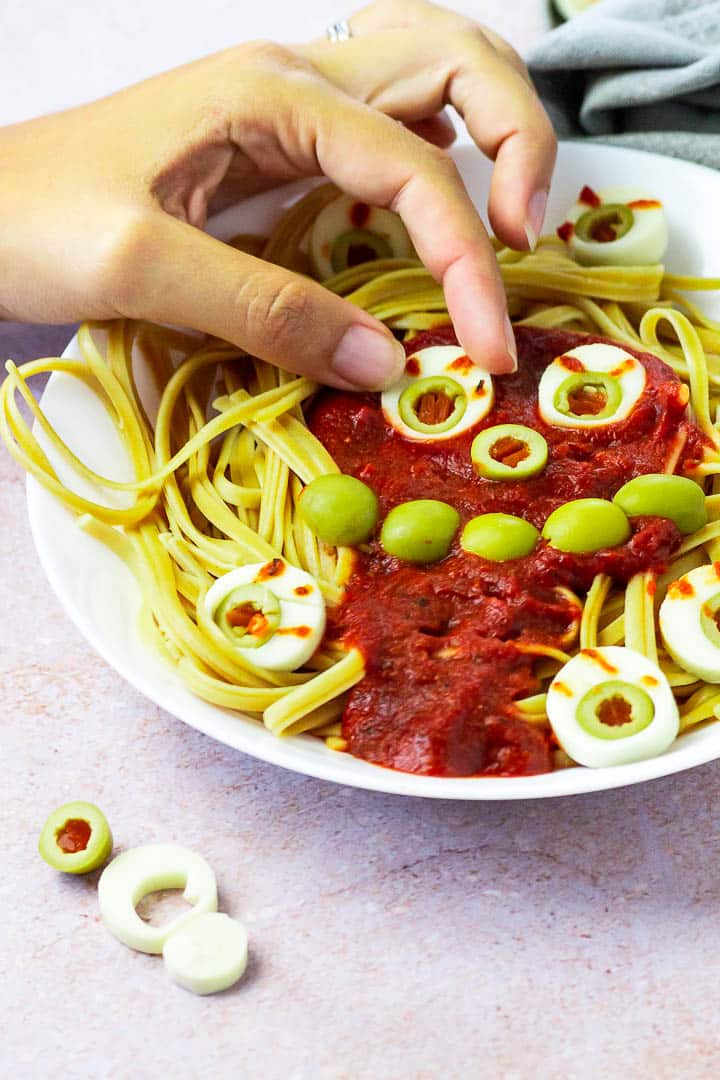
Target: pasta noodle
{"points": [[218, 472]]}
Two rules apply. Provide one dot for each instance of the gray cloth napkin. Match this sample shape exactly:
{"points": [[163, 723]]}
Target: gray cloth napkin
{"points": [[642, 73]]}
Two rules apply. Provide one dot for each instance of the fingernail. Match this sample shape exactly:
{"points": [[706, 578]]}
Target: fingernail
{"points": [[535, 217], [368, 358], [511, 346]]}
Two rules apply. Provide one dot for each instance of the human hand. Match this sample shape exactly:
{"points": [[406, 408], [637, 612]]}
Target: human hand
{"points": [[103, 206]]}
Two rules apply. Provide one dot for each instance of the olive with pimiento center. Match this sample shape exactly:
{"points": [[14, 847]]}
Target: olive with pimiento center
{"points": [[615, 710], [76, 838], [509, 452], [586, 525], [606, 223], [499, 537], [249, 615], [339, 509], [420, 531], [436, 403], [664, 495], [357, 246], [588, 393]]}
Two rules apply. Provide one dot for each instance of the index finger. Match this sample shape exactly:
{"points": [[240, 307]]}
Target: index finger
{"points": [[379, 161]]}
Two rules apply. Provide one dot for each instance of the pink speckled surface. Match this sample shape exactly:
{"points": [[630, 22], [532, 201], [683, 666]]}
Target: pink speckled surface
{"points": [[390, 938]]}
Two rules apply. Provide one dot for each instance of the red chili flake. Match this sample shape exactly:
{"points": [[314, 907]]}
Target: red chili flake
{"points": [[649, 680], [570, 362], [562, 689], [625, 365], [651, 588], [644, 204], [589, 197], [274, 568], [296, 631], [716, 568], [303, 590], [681, 588], [593, 654], [463, 364], [565, 231], [412, 366], [359, 214]]}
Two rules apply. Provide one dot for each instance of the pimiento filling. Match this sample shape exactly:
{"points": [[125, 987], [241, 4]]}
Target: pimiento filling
{"points": [[448, 647], [614, 711], [74, 836], [509, 451]]}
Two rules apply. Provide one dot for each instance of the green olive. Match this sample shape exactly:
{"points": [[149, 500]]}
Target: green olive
{"points": [[420, 531], [436, 403], [509, 452], [499, 537], [605, 224], [661, 495], [615, 710], [588, 393], [339, 509], [76, 838], [358, 246], [249, 615], [586, 525]]}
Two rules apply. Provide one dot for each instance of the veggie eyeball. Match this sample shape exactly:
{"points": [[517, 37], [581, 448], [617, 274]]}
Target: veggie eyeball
{"points": [[440, 394], [612, 706], [76, 838], [591, 386], [689, 620], [273, 613], [620, 226], [348, 232]]}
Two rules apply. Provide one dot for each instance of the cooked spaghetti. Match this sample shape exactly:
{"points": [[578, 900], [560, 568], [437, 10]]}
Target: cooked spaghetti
{"points": [[220, 469]]}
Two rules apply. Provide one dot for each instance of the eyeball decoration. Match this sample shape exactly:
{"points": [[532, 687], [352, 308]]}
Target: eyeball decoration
{"points": [[441, 394], [689, 622], [620, 226], [590, 387], [273, 612], [348, 232], [612, 706]]}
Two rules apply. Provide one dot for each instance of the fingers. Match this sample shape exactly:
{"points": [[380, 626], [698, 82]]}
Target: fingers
{"points": [[508, 123], [183, 276], [409, 58], [381, 162]]}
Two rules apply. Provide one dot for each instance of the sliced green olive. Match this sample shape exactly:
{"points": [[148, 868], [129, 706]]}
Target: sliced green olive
{"points": [[615, 710], [509, 452], [339, 509], [76, 838], [586, 525], [420, 531], [358, 246], [248, 616], [499, 537], [436, 403], [710, 618], [661, 495], [605, 224], [588, 393]]}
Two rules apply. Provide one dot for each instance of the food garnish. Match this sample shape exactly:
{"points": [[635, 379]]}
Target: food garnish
{"points": [[76, 838]]}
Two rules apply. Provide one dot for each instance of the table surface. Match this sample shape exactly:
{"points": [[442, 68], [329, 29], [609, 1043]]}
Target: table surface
{"points": [[390, 938]]}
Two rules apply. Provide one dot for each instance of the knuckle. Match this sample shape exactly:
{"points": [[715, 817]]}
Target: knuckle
{"points": [[279, 314]]}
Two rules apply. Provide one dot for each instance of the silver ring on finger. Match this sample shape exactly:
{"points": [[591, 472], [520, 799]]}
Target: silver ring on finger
{"points": [[339, 31]]}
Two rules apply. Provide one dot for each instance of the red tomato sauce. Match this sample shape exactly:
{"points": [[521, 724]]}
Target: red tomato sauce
{"points": [[444, 644]]}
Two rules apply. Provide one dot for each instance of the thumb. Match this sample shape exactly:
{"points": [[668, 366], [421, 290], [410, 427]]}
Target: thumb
{"points": [[181, 275]]}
